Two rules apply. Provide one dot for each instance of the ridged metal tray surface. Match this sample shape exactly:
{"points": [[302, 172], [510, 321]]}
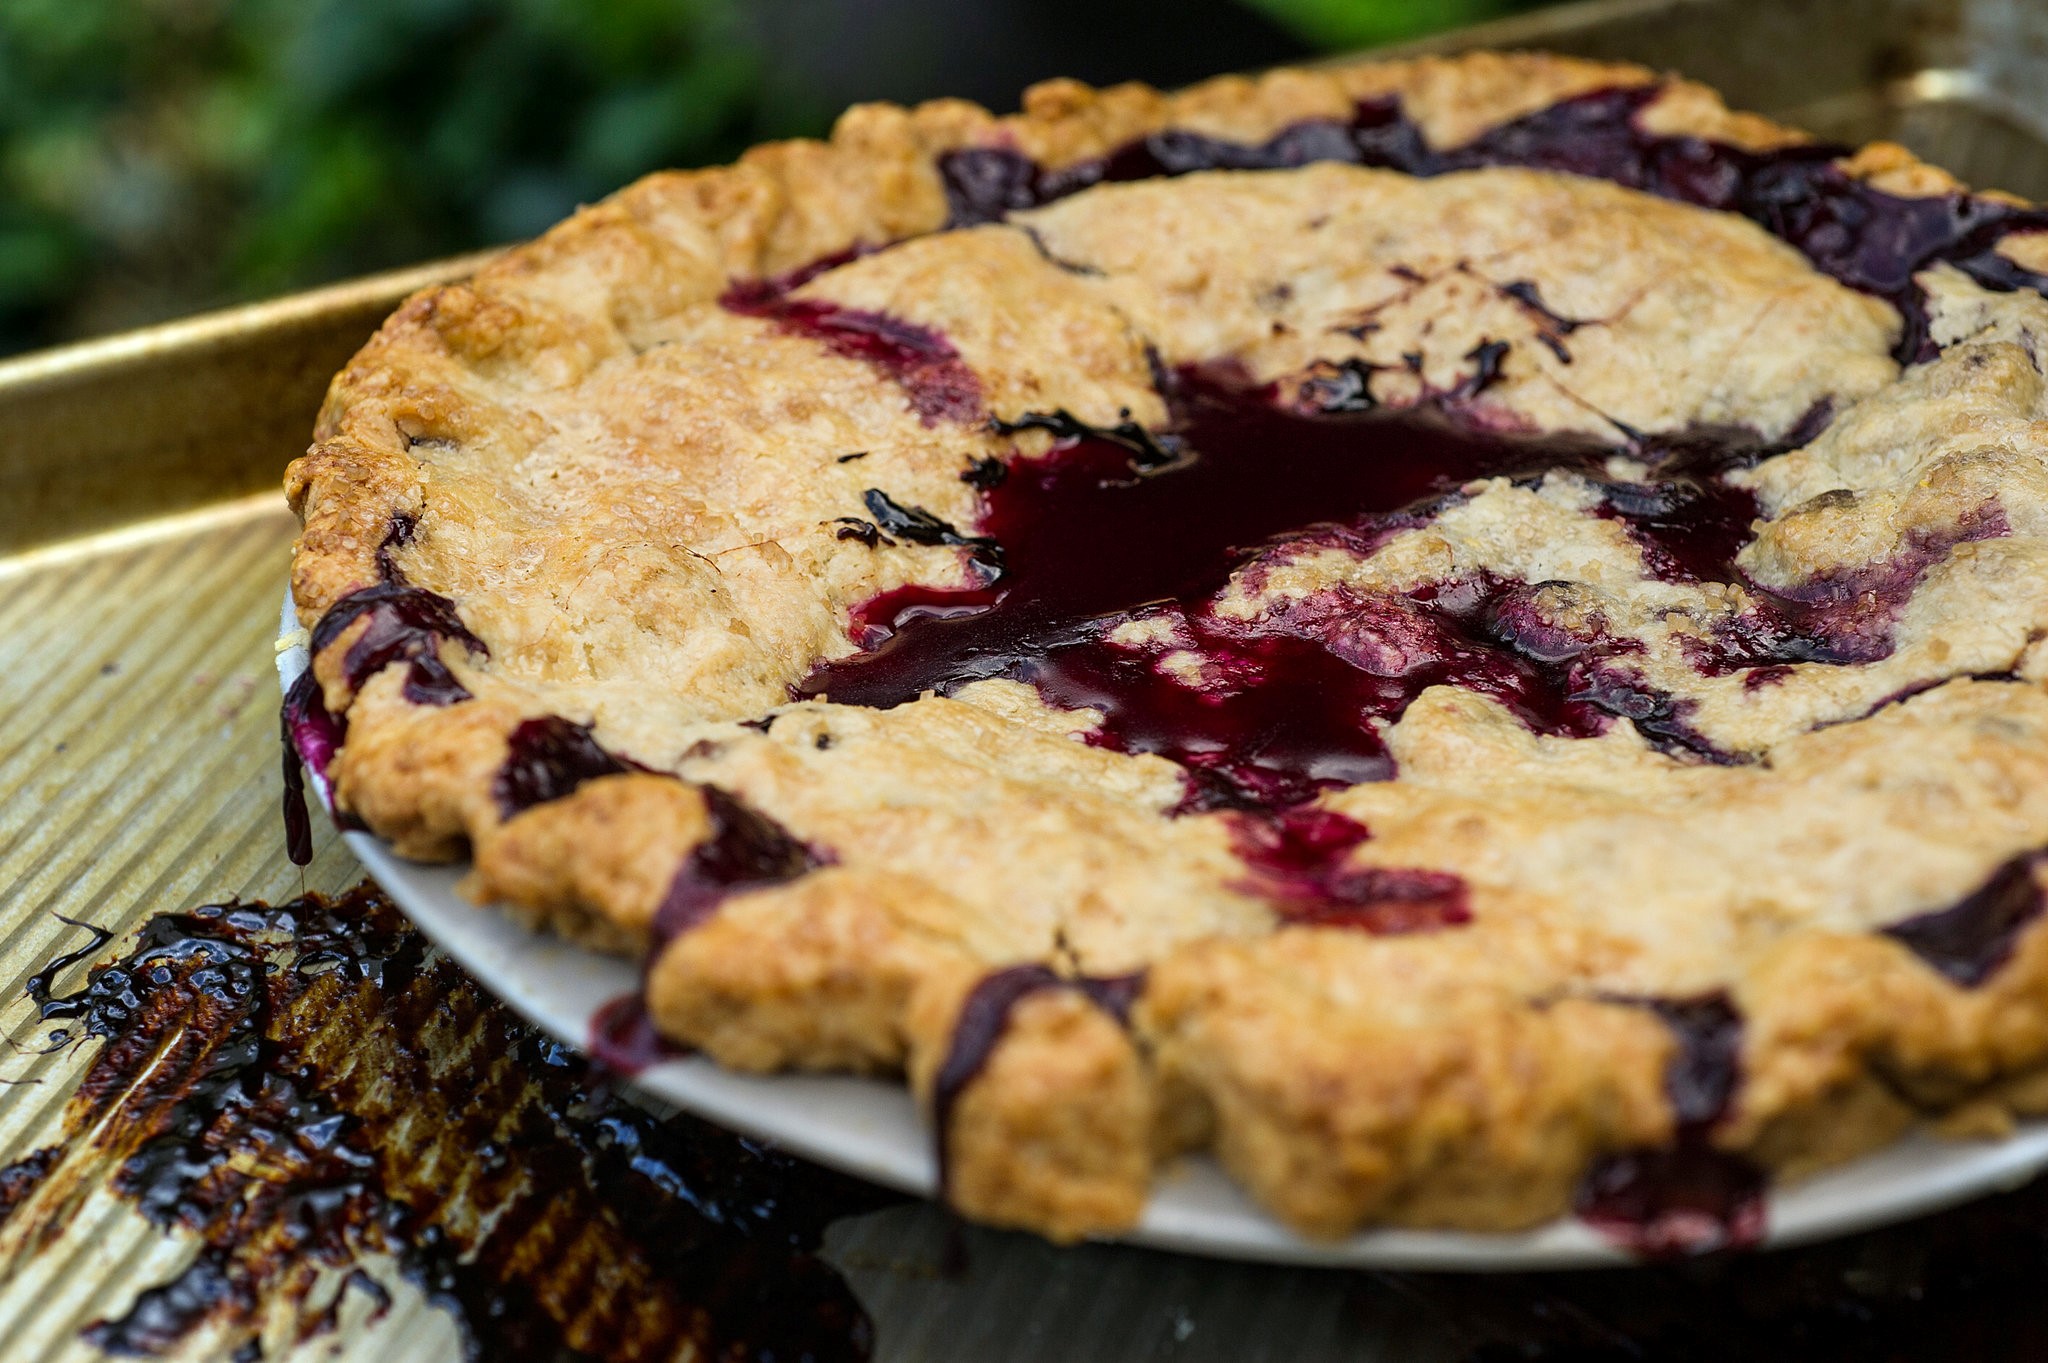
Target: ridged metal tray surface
{"points": [[142, 546]]}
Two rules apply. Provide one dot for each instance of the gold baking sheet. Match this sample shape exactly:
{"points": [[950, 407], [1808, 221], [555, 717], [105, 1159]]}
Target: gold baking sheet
{"points": [[143, 549]]}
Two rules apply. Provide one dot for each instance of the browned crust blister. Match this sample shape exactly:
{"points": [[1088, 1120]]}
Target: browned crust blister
{"points": [[601, 463]]}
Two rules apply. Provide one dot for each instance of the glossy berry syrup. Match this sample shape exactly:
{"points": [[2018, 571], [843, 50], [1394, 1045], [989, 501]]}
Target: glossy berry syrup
{"points": [[1106, 530], [1971, 938], [548, 758], [1299, 859], [406, 624], [985, 1018], [311, 736], [624, 1038], [1867, 239], [1689, 1197], [930, 371], [319, 1105], [742, 850]]}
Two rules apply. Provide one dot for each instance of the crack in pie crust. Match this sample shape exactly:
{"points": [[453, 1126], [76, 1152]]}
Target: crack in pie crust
{"points": [[1465, 634]]}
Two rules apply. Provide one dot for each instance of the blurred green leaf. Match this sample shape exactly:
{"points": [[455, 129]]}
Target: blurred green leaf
{"points": [[35, 257], [158, 156], [161, 155], [1340, 24]]}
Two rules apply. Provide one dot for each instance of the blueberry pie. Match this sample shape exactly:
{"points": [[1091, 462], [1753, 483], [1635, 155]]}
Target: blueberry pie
{"points": [[1464, 634]]}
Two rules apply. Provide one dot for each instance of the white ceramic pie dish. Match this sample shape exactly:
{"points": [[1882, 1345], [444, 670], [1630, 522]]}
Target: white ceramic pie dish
{"points": [[871, 1128]]}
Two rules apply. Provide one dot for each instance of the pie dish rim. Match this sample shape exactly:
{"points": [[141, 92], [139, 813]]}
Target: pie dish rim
{"points": [[1195, 1208]]}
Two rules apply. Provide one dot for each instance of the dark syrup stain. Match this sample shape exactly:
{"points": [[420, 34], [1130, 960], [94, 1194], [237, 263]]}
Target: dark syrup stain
{"points": [[985, 1018], [310, 735], [1867, 239], [406, 624], [624, 1039], [41, 984], [923, 363], [1971, 938], [1105, 530], [298, 1086], [24, 1177], [1687, 1198], [547, 759], [743, 850], [1299, 861], [404, 528]]}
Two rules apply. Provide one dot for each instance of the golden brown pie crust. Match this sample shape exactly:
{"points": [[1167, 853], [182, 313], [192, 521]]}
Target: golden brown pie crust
{"points": [[630, 494]]}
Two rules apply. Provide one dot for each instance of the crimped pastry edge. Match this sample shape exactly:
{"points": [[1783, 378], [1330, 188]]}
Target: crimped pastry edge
{"points": [[1060, 1133]]}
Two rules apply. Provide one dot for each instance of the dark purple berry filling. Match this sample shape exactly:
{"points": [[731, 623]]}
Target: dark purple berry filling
{"points": [[985, 1017], [1690, 522], [1298, 860], [1837, 617], [1115, 995], [546, 759], [403, 527], [894, 521], [987, 184], [624, 1039], [406, 625], [985, 474], [1120, 525], [311, 737], [1689, 1197], [1701, 1078], [1870, 240], [1147, 451], [756, 297], [930, 371], [1973, 937], [1109, 528], [744, 850], [1552, 328], [1676, 1202]]}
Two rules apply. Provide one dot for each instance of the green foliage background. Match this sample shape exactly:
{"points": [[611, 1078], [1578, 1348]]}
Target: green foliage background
{"points": [[159, 156], [1336, 25]]}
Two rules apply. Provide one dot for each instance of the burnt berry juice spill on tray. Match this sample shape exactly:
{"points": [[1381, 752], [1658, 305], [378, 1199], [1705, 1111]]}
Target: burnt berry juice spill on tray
{"points": [[308, 1088], [1108, 539]]}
